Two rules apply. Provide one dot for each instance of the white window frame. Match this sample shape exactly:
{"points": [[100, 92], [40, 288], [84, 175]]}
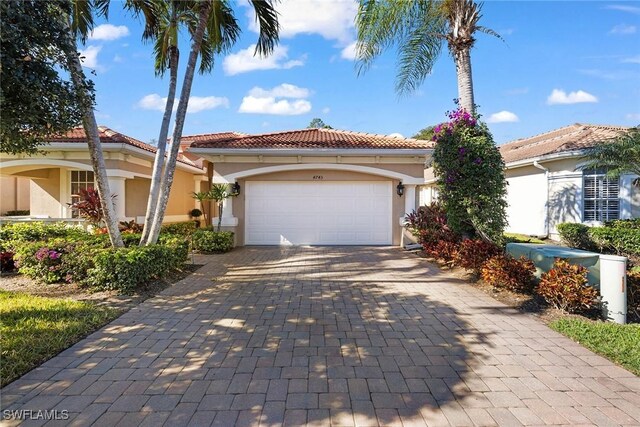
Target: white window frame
{"points": [[603, 193], [82, 184]]}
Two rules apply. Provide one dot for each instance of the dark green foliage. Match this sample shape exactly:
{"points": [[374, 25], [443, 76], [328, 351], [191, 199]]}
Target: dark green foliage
{"points": [[126, 269], [208, 240], [621, 237], [36, 99], [318, 123], [618, 156], [470, 177], [425, 134], [18, 213], [180, 228], [575, 236]]}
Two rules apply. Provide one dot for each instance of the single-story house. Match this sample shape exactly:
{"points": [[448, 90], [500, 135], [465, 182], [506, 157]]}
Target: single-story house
{"points": [[547, 186], [315, 186], [55, 176]]}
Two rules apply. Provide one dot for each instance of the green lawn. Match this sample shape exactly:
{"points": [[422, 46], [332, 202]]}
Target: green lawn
{"points": [[618, 343], [521, 238], [34, 329]]}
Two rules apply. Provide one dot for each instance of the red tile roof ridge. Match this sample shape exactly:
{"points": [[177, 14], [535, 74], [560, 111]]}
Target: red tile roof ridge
{"points": [[232, 132], [377, 135]]}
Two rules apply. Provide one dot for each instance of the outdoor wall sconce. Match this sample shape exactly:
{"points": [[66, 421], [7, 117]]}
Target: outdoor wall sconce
{"points": [[400, 189], [235, 189]]}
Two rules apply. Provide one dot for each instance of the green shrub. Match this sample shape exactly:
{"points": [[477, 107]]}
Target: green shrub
{"points": [[180, 247], [131, 239], [619, 240], [575, 236], [565, 287], [42, 261], [504, 271], [633, 224], [36, 231], [180, 228], [472, 254], [126, 269], [207, 240]]}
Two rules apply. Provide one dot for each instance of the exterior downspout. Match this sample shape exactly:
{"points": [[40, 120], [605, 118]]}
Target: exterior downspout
{"points": [[546, 214]]}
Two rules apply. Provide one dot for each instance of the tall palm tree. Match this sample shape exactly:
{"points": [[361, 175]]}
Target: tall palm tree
{"points": [[215, 32], [419, 28], [80, 21], [619, 156]]}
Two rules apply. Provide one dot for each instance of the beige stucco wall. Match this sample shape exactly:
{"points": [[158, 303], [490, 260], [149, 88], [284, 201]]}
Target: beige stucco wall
{"points": [[14, 194], [45, 194], [526, 201]]}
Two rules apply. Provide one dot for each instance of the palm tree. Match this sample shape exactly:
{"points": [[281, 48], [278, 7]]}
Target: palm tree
{"points": [[219, 193], [419, 28], [215, 32], [80, 21], [619, 156]]}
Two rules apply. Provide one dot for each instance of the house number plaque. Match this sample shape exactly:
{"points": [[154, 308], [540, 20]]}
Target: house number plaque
{"points": [[318, 177]]}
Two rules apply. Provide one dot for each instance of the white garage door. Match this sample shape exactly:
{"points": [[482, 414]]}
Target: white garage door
{"points": [[318, 213]]}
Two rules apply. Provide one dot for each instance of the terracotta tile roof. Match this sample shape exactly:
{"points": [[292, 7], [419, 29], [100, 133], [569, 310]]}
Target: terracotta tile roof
{"points": [[109, 136], [206, 137], [569, 138], [306, 139]]}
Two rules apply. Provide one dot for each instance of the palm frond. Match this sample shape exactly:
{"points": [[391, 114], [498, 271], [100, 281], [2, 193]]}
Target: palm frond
{"points": [[269, 27], [82, 18], [101, 7], [619, 156], [151, 12]]}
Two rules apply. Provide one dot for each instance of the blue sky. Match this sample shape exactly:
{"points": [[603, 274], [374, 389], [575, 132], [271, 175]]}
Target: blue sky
{"points": [[560, 63]]}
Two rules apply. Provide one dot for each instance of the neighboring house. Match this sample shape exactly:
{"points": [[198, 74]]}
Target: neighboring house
{"points": [[315, 186], [56, 175], [547, 185]]}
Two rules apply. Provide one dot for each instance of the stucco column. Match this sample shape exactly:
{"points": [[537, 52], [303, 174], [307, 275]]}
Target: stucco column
{"points": [[409, 198], [626, 183], [117, 187]]}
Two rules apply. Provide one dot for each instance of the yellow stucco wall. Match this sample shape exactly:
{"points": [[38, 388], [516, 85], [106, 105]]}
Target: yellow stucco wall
{"points": [[14, 193]]}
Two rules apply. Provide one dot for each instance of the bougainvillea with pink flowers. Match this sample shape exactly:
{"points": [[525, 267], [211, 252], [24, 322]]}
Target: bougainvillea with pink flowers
{"points": [[470, 177]]}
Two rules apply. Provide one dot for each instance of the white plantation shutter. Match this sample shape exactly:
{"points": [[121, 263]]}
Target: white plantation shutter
{"points": [[601, 196]]}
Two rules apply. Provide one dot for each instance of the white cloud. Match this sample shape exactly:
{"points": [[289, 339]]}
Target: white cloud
{"points": [[118, 58], [349, 52], [623, 29], [269, 105], [624, 8], [503, 117], [333, 20], [559, 96], [326, 110], [395, 135], [285, 90], [631, 60], [196, 103], [108, 32], [245, 61], [633, 116], [89, 56]]}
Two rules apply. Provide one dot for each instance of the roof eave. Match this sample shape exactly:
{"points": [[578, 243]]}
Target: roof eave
{"points": [[313, 151], [545, 158]]}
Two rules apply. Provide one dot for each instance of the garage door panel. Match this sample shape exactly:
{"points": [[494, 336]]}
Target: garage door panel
{"points": [[321, 213]]}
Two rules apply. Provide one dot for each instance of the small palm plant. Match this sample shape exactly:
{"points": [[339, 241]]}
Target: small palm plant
{"points": [[219, 193], [202, 197], [619, 156]]}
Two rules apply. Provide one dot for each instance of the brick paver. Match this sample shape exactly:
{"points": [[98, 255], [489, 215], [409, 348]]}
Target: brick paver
{"points": [[326, 336]]}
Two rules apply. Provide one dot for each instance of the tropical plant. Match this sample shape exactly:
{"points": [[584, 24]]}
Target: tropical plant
{"points": [[618, 156], [213, 30], [418, 29], [89, 206], [566, 287], [202, 197], [195, 213], [37, 101], [470, 177], [219, 193], [504, 271], [79, 21], [424, 133]]}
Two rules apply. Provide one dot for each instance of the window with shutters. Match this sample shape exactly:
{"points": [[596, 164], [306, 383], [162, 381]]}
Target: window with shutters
{"points": [[601, 196], [80, 180]]}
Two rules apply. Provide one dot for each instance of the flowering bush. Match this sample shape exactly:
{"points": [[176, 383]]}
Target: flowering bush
{"points": [[7, 264], [470, 177], [565, 286], [504, 271], [472, 254], [42, 261]]}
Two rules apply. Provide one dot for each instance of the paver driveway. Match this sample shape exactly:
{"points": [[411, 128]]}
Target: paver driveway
{"points": [[327, 336]]}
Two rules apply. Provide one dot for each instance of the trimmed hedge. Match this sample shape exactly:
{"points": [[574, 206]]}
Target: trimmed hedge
{"points": [[126, 269], [208, 240], [621, 237], [186, 228], [34, 231]]}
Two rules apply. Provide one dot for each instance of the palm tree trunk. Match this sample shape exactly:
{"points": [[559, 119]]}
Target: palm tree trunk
{"points": [[465, 79], [93, 141], [185, 93], [159, 163], [220, 209]]}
